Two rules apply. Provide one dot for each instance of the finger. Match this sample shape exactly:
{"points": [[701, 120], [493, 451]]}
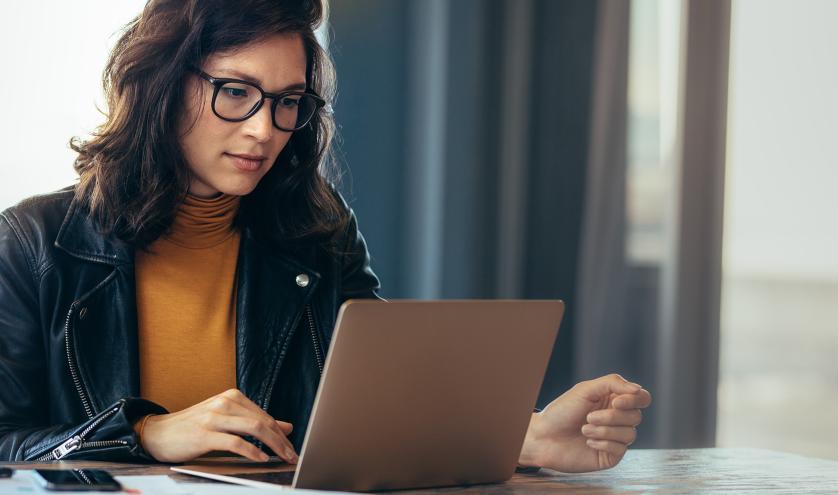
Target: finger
{"points": [[239, 398], [238, 404], [615, 417], [623, 434], [236, 445], [599, 388], [616, 449], [257, 428], [640, 400], [286, 428]]}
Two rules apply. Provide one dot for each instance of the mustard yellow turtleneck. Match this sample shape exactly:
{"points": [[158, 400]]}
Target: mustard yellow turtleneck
{"points": [[186, 305]]}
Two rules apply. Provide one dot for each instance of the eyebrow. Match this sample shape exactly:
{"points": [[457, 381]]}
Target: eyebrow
{"points": [[255, 80]]}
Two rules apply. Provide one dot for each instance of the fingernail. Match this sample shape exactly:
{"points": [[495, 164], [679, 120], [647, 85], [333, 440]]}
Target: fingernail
{"points": [[586, 429], [636, 385], [264, 457], [589, 442], [590, 418]]}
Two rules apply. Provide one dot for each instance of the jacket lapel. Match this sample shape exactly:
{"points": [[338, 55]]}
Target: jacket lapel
{"points": [[102, 326], [272, 291]]}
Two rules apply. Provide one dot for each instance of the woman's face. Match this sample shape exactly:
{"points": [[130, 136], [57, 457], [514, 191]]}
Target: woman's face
{"points": [[232, 157]]}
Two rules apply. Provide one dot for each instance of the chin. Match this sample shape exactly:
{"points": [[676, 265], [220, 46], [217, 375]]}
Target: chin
{"points": [[238, 191], [234, 190], [238, 188]]}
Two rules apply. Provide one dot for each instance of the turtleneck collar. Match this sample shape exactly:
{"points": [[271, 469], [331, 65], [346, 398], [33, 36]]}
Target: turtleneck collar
{"points": [[203, 223]]}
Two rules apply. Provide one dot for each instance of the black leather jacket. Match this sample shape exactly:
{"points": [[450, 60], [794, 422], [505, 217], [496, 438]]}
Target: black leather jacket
{"points": [[69, 372]]}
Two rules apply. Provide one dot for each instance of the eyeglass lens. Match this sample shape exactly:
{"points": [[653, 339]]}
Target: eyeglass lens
{"points": [[236, 100]]}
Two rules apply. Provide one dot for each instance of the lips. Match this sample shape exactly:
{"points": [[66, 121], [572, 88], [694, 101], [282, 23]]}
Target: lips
{"points": [[247, 162]]}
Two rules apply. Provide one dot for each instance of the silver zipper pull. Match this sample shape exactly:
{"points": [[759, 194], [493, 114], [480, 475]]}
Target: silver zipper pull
{"points": [[66, 447]]}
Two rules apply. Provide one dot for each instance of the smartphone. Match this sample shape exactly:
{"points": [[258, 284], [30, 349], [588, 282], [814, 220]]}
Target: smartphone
{"points": [[76, 479]]}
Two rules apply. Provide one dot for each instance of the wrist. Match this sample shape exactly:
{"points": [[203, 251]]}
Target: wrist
{"points": [[139, 427], [530, 456]]}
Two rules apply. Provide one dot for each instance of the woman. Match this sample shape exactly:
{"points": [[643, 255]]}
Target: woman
{"points": [[181, 297]]}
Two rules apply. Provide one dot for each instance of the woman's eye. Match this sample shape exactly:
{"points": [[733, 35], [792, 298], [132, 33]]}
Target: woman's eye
{"points": [[234, 92], [289, 102]]}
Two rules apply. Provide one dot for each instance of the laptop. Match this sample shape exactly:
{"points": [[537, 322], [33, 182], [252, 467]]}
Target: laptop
{"points": [[417, 394]]}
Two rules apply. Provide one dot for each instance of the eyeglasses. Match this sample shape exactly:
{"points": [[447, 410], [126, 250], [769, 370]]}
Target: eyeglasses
{"points": [[235, 100]]}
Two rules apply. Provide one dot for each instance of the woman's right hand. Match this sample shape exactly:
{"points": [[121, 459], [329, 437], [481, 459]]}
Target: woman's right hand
{"points": [[217, 423]]}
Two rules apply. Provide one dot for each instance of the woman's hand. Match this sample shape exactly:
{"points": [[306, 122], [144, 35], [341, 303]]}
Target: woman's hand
{"points": [[217, 423], [587, 428]]}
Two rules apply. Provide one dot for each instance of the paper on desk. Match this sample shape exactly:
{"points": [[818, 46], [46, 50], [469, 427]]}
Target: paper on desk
{"points": [[142, 485], [23, 483], [20, 483], [137, 485], [167, 486]]}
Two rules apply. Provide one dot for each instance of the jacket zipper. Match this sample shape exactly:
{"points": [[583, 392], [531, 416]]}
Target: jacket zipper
{"points": [[71, 362], [318, 354], [76, 442]]}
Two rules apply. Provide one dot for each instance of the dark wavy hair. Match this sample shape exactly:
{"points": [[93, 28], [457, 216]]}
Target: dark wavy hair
{"points": [[132, 172]]}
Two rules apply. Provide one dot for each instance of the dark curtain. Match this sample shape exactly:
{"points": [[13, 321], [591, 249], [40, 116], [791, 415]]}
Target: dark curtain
{"points": [[486, 147], [465, 130]]}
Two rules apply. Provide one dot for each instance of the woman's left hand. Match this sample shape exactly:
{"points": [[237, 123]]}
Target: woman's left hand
{"points": [[587, 428]]}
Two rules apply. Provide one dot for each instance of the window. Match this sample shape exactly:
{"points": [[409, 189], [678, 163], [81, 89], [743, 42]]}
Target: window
{"points": [[652, 147], [778, 384]]}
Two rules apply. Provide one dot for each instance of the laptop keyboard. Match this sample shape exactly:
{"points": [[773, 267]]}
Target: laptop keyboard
{"points": [[283, 478]]}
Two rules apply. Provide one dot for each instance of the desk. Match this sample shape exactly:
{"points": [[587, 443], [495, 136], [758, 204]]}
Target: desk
{"points": [[642, 471]]}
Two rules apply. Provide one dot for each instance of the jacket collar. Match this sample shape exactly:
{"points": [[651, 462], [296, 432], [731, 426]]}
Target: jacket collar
{"points": [[80, 237]]}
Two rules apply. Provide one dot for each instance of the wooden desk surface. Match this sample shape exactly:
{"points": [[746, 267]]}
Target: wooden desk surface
{"points": [[642, 471]]}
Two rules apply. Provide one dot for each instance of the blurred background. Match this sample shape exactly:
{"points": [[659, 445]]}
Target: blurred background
{"points": [[664, 166]]}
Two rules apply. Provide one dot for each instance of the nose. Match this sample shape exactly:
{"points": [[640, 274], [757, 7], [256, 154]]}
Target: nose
{"points": [[260, 125]]}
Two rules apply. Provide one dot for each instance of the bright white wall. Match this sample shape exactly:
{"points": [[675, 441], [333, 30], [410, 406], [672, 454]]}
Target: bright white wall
{"points": [[53, 54], [782, 167]]}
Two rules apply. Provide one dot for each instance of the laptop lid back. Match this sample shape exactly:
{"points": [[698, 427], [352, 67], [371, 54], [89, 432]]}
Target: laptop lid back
{"points": [[426, 393]]}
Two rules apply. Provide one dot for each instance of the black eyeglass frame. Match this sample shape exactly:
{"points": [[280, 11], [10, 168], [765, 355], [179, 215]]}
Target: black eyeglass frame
{"points": [[219, 82]]}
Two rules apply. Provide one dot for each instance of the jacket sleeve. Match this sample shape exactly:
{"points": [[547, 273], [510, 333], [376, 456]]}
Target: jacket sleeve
{"points": [[358, 281], [26, 432]]}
